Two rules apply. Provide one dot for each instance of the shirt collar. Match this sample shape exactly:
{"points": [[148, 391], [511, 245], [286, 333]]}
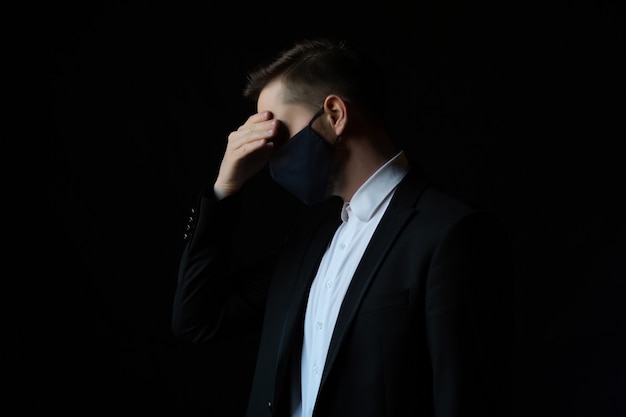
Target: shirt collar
{"points": [[367, 199]]}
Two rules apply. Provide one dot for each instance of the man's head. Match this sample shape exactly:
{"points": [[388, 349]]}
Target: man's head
{"points": [[323, 91]]}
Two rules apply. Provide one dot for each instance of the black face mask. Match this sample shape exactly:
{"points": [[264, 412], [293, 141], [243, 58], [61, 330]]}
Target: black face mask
{"points": [[302, 165]]}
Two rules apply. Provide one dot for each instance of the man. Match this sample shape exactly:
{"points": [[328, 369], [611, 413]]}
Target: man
{"points": [[389, 298]]}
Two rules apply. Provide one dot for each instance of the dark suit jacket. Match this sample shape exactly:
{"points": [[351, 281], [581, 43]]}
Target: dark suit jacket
{"points": [[425, 328]]}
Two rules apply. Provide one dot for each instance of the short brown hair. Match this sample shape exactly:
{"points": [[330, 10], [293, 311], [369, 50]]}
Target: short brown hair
{"points": [[314, 68]]}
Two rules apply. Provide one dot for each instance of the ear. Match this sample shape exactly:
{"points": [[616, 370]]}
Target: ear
{"points": [[336, 109]]}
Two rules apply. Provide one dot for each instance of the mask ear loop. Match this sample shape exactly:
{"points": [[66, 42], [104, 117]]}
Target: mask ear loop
{"points": [[318, 114]]}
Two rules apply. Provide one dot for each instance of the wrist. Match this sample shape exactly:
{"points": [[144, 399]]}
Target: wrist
{"points": [[222, 192]]}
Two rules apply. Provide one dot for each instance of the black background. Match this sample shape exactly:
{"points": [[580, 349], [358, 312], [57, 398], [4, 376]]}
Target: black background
{"points": [[515, 107]]}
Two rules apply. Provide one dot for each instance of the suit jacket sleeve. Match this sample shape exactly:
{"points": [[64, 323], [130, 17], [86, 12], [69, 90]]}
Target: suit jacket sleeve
{"points": [[211, 300], [469, 318]]}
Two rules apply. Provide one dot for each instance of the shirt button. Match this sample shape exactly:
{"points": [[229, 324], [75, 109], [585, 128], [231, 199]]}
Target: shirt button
{"points": [[319, 325], [315, 370], [342, 246], [329, 284]]}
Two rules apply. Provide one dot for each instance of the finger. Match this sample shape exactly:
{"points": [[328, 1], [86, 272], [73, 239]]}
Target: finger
{"points": [[258, 126], [252, 133], [255, 119], [251, 147], [239, 147], [260, 117]]}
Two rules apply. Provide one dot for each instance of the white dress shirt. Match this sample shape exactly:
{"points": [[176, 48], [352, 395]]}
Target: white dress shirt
{"points": [[360, 218]]}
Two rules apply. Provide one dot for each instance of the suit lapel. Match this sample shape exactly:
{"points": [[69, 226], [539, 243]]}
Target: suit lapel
{"points": [[310, 258], [399, 212]]}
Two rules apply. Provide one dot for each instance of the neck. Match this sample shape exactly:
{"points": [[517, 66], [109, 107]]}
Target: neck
{"points": [[356, 159]]}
